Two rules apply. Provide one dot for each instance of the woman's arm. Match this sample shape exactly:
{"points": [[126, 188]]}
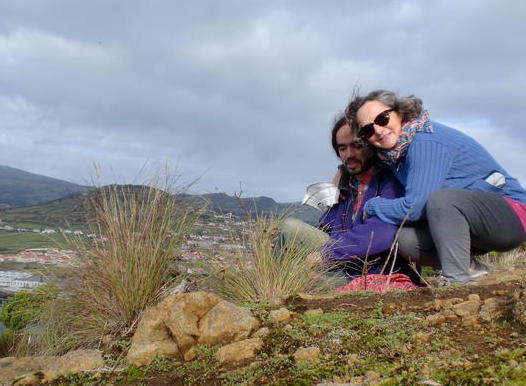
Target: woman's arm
{"points": [[427, 163]]}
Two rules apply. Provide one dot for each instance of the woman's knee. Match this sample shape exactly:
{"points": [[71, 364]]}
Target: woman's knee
{"points": [[416, 246], [408, 245], [290, 225]]}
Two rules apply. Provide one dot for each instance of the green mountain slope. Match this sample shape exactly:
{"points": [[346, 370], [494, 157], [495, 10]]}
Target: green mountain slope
{"points": [[63, 212], [70, 211]]}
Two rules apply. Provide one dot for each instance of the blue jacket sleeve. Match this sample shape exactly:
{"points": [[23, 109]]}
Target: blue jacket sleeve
{"points": [[371, 237], [427, 163]]}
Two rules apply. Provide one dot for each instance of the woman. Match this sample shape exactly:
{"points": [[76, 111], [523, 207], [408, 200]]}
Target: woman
{"points": [[457, 196]]}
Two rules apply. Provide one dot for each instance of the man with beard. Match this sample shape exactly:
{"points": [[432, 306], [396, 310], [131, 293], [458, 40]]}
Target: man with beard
{"points": [[350, 240]]}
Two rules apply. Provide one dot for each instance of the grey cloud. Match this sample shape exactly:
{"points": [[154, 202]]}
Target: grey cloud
{"points": [[240, 91]]}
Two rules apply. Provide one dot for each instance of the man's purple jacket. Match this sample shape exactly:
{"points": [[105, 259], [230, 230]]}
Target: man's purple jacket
{"points": [[351, 239]]}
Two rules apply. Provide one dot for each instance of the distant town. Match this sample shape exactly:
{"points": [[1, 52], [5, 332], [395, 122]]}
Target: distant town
{"points": [[219, 234]]}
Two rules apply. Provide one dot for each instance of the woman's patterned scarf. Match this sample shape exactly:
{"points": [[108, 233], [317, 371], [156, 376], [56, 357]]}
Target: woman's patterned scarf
{"points": [[417, 125]]}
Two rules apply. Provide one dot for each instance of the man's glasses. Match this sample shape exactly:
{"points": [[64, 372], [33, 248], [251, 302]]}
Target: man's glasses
{"points": [[382, 119]]}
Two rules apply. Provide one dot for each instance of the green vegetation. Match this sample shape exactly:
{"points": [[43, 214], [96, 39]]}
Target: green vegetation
{"points": [[25, 307], [362, 347], [13, 242], [22, 311], [136, 262], [65, 212], [7, 342]]}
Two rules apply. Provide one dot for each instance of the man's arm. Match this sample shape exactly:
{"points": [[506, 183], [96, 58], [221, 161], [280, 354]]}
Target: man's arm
{"points": [[372, 236]]}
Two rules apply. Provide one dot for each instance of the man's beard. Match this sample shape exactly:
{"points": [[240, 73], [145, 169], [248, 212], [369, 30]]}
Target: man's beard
{"points": [[363, 166]]}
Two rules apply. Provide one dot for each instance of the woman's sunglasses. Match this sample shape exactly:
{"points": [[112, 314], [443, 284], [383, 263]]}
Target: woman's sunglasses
{"points": [[382, 119]]}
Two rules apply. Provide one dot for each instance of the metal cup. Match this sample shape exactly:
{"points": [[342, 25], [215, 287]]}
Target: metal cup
{"points": [[321, 195]]}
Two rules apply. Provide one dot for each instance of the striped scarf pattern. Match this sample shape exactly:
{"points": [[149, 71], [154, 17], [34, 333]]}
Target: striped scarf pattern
{"points": [[420, 124]]}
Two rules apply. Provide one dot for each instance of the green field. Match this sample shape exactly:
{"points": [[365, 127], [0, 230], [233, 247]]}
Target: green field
{"points": [[12, 242], [28, 225]]}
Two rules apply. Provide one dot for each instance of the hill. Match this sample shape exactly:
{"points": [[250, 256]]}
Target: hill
{"points": [[70, 211], [21, 188], [64, 212], [243, 207], [32, 198]]}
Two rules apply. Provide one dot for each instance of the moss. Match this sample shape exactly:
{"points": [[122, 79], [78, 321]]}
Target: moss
{"points": [[199, 371], [133, 374], [81, 379], [502, 366]]}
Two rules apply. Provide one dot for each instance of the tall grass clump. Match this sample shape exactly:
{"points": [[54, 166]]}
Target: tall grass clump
{"points": [[263, 271], [502, 261], [129, 264]]}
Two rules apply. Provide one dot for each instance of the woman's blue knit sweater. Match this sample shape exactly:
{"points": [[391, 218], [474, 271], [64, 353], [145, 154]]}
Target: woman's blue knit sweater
{"points": [[444, 158]]}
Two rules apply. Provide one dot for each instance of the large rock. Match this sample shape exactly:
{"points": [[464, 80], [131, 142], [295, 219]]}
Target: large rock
{"points": [[74, 362], [182, 314], [151, 339], [33, 370], [239, 351], [467, 308], [179, 322], [226, 323]]}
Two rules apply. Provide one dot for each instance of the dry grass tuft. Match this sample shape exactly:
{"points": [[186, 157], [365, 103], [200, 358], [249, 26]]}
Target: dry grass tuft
{"points": [[503, 261], [128, 267], [261, 273]]}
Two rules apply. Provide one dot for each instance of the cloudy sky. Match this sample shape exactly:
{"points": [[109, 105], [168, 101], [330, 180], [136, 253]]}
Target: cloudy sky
{"points": [[240, 95]]}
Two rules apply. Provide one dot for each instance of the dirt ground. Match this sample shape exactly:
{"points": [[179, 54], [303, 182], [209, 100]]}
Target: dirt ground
{"points": [[368, 338], [495, 283]]}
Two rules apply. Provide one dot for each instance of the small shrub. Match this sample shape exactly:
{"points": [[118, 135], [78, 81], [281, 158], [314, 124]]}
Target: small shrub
{"points": [[25, 306], [129, 265], [7, 342], [263, 273]]}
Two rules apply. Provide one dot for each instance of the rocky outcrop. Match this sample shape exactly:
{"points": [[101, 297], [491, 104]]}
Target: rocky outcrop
{"points": [[174, 326], [470, 311], [182, 313], [226, 323], [152, 338], [43, 369]]}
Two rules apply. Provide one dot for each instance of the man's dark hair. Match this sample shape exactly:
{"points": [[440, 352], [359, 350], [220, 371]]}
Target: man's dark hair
{"points": [[338, 123]]}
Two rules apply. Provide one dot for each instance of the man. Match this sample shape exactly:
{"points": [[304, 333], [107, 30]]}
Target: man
{"points": [[351, 241]]}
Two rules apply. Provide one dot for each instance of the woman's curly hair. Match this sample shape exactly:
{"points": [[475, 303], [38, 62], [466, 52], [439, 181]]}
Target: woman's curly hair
{"points": [[408, 108]]}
